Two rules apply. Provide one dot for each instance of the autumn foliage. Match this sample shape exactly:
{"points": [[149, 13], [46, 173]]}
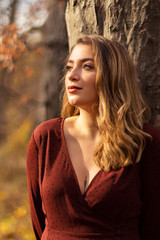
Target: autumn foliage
{"points": [[18, 101], [11, 47], [20, 72]]}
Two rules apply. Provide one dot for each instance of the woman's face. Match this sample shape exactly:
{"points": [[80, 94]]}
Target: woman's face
{"points": [[80, 77]]}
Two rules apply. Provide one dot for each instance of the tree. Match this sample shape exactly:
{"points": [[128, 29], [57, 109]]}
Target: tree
{"points": [[7, 62], [135, 24], [15, 49], [56, 43]]}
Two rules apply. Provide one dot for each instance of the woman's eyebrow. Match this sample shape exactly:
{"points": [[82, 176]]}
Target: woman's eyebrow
{"points": [[81, 60]]}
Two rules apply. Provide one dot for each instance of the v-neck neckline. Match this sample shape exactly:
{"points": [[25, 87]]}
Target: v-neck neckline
{"points": [[71, 164]]}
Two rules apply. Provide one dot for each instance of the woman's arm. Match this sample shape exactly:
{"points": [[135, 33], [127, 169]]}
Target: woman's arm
{"points": [[37, 215], [150, 220]]}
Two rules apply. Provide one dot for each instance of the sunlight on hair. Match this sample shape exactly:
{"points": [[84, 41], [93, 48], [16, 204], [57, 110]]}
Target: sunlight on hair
{"points": [[121, 107]]}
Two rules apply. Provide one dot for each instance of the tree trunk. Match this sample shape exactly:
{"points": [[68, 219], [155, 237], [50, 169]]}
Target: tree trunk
{"points": [[135, 24], [56, 43], [13, 7]]}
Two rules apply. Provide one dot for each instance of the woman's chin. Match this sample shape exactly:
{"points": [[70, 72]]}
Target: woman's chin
{"points": [[75, 102]]}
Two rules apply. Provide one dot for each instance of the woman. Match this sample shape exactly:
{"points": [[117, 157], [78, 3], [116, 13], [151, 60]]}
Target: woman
{"points": [[94, 173]]}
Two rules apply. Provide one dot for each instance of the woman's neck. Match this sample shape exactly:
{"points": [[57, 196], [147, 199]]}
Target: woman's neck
{"points": [[87, 124]]}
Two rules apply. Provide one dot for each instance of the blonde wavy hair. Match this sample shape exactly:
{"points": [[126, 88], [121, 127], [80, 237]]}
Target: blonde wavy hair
{"points": [[122, 109]]}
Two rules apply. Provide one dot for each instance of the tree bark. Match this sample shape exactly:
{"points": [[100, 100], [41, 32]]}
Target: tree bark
{"points": [[13, 7], [136, 25], [56, 43], [81, 18]]}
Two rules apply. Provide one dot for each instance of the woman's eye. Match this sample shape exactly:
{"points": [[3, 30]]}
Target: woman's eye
{"points": [[68, 68], [87, 66]]}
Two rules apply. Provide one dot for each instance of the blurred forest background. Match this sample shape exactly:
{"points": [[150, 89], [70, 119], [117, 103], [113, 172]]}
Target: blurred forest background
{"points": [[35, 36]]}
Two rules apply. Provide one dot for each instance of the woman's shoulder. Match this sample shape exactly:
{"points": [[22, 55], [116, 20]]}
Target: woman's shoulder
{"points": [[153, 132], [49, 124], [148, 128], [152, 148], [45, 128]]}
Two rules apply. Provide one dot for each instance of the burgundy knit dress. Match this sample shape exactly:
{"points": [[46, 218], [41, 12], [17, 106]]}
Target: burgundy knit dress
{"points": [[117, 205]]}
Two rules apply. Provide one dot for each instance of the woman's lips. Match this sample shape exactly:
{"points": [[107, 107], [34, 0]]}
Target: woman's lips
{"points": [[72, 89]]}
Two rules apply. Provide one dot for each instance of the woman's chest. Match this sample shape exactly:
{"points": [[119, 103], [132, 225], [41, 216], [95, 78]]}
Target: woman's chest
{"points": [[80, 155], [113, 195]]}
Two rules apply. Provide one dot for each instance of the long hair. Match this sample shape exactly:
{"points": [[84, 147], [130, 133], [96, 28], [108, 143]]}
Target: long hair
{"points": [[122, 109]]}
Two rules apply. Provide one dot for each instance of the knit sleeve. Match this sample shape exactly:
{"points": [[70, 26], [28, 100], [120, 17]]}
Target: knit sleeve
{"points": [[150, 219], [37, 215]]}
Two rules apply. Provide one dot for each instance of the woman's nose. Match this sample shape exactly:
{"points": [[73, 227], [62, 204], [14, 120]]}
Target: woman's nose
{"points": [[73, 74]]}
